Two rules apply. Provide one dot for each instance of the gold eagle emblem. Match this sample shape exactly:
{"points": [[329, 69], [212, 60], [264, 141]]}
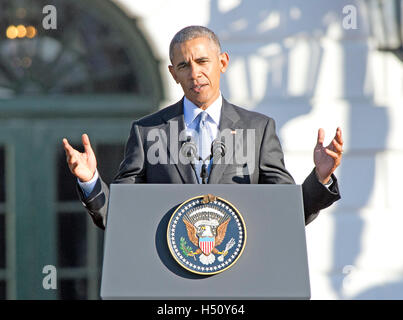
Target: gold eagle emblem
{"points": [[206, 230]]}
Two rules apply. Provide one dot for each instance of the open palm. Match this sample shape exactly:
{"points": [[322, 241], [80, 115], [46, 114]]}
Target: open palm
{"points": [[81, 164], [327, 159]]}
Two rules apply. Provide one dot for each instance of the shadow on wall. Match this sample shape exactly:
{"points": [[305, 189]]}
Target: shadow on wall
{"points": [[264, 33]]}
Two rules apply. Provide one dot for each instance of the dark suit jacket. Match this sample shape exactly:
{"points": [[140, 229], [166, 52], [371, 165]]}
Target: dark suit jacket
{"points": [[266, 165]]}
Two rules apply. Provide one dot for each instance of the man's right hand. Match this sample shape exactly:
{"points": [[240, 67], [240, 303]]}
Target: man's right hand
{"points": [[82, 165]]}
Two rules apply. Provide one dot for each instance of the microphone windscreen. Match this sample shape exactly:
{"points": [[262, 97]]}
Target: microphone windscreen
{"points": [[189, 150], [218, 148]]}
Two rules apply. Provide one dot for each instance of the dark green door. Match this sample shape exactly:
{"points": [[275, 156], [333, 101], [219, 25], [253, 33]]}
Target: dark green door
{"points": [[95, 74]]}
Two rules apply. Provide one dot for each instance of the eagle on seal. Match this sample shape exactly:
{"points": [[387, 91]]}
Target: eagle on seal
{"points": [[206, 234]]}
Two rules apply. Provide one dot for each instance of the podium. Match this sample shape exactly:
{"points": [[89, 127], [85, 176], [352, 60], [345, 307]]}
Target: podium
{"points": [[139, 265]]}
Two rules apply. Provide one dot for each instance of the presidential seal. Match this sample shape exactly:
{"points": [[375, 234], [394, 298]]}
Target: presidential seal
{"points": [[206, 235]]}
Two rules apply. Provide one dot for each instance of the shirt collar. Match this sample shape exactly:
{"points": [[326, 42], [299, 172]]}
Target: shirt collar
{"points": [[191, 111]]}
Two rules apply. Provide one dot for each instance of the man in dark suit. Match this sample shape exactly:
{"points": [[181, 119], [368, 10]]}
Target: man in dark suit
{"points": [[154, 150]]}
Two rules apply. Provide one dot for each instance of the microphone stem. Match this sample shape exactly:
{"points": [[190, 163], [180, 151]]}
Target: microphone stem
{"points": [[203, 173]]}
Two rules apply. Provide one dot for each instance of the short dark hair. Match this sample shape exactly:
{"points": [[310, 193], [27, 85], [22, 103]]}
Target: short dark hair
{"points": [[192, 32]]}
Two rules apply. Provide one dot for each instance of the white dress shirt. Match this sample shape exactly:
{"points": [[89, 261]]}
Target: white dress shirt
{"points": [[190, 112]]}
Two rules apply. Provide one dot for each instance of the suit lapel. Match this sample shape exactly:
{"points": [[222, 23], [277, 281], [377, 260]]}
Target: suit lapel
{"points": [[175, 124], [228, 120]]}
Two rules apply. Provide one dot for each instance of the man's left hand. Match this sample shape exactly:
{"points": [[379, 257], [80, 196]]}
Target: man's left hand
{"points": [[327, 159]]}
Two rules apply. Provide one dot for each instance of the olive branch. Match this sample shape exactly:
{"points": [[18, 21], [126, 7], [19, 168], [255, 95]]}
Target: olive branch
{"points": [[187, 250]]}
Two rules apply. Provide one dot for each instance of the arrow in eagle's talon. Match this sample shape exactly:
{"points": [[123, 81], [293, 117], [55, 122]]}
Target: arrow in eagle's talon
{"points": [[221, 257], [228, 246]]}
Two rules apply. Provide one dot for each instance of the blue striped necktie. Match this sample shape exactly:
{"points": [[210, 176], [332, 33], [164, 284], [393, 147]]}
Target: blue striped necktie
{"points": [[204, 147], [204, 143]]}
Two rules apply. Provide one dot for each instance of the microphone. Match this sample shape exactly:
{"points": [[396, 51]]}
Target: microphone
{"points": [[189, 149], [218, 150]]}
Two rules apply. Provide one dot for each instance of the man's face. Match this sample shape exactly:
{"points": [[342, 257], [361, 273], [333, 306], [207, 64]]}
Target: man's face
{"points": [[197, 66]]}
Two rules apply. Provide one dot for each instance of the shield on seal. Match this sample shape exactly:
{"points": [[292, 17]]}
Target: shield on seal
{"points": [[206, 245]]}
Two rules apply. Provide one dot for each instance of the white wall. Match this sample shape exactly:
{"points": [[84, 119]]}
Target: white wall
{"points": [[294, 61]]}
